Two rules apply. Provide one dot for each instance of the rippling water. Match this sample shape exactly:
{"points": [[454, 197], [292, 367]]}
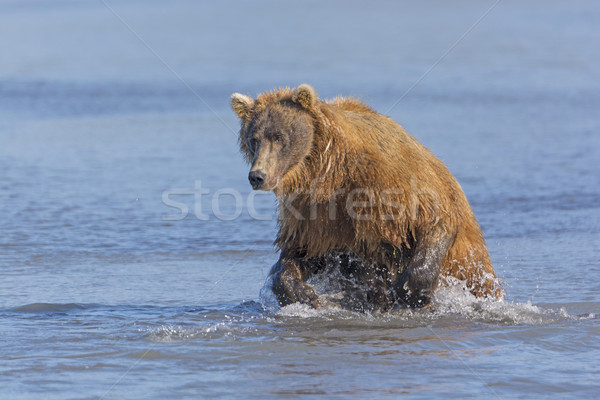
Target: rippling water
{"points": [[108, 292]]}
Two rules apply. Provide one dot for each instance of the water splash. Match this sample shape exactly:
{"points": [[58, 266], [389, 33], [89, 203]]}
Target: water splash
{"points": [[449, 302]]}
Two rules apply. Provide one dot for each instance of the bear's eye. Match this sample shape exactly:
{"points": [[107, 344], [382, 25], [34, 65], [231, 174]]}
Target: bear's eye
{"points": [[253, 142], [277, 139]]}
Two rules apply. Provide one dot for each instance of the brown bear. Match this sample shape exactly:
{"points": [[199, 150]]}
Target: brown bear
{"points": [[356, 191]]}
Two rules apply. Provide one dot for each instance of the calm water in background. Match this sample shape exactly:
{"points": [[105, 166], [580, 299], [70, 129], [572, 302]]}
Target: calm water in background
{"points": [[105, 294]]}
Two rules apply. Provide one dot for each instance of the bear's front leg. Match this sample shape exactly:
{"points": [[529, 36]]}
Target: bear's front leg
{"points": [[415, 285], [289, 283]]}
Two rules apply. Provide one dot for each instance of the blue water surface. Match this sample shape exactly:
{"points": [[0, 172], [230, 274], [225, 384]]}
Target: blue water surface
{"points": [[108, 108]]}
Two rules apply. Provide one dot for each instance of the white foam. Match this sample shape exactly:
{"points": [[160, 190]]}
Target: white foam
{"points": [[454, 301], [225, 328]]}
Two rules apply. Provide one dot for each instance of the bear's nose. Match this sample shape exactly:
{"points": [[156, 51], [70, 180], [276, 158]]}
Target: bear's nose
{"points": [[256, 178]]}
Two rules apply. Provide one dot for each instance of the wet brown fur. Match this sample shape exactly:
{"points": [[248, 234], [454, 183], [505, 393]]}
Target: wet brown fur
{"points": [[355, 147]]}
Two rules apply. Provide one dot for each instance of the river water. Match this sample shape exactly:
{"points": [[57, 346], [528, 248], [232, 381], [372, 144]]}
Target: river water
{"points": [[133, 252]]}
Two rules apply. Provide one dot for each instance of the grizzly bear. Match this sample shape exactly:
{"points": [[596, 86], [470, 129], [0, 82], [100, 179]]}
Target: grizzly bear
{"points": [[357, 192]]}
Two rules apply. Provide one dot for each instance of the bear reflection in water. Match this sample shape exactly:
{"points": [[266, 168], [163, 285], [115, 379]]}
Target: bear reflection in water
{"points": [[357, 192]]}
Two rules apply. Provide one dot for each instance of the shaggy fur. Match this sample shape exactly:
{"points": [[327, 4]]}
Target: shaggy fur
{"points": [[387, 193]]}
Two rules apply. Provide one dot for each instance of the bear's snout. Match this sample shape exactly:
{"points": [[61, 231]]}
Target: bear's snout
{"points": [[256, 178]]}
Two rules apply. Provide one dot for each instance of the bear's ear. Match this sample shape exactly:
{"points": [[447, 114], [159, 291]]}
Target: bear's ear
{"points": [[242, 105], [305, 96]]}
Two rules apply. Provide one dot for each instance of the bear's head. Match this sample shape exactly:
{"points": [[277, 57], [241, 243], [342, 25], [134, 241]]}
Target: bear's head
{"points": [[277, 132]]}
